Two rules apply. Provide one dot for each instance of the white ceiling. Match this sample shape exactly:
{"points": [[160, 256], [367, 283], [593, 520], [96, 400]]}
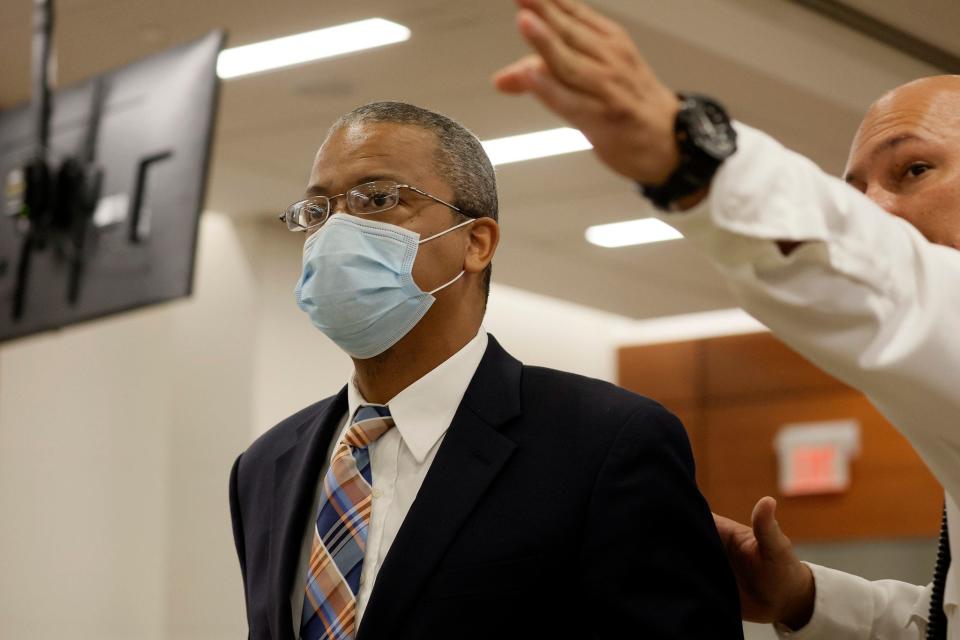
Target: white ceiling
{"points": [[934, 21], [773, 63]]}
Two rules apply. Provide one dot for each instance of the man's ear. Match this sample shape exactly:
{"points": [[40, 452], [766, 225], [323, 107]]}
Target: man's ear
{"points": [[482, 244]]}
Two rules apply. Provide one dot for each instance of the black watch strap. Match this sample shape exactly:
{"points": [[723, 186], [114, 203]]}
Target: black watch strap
{"points": [[705, 138], [680, 184]]}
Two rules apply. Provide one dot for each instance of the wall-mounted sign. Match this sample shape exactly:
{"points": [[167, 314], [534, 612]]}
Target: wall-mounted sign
{"points": [[814, 457]]}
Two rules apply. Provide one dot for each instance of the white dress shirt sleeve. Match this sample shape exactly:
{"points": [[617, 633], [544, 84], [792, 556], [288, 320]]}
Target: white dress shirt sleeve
{"points": [[848, 607], [866, 298]]}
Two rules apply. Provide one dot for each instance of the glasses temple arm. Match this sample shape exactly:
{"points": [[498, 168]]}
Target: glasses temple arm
{"points": [[432, 197]]}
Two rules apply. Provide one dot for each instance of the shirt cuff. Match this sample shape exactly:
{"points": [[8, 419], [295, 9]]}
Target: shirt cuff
{"points": [[736, 224], [765, 194], [842, 610], [741, 192], [755, 185]]}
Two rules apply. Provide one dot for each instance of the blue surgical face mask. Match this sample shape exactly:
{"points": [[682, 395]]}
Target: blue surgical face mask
{"points": [[357, 283]]}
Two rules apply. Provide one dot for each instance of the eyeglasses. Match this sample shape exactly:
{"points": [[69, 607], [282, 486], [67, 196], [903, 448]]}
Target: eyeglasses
{"points": [[362, 200]]}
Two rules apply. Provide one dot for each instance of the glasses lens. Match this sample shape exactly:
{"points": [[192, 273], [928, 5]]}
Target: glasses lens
{"points": [[372, 197], [307, 213]]}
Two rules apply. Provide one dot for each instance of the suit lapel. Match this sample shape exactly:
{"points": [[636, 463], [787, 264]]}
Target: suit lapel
{"points": [[296, 474], [471, 456]]}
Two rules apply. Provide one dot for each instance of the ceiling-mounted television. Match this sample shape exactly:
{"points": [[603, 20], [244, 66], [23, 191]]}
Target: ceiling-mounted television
{"points": [[137, 140]]}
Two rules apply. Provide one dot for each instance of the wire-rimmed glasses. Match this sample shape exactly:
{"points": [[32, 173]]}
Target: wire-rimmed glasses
{"points": [[363, 199]]}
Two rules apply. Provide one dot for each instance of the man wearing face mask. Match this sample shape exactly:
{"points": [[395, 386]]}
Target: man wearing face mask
{"points": [[448, 491], [870, 297]]}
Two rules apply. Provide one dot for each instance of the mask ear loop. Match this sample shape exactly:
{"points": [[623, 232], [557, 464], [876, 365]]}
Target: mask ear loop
{"points": [[445, 232], [444, 286], [437, 235]]}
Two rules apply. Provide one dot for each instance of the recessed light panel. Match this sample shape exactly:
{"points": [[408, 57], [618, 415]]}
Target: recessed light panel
{"points": [[309, 46], [539, 144], [623, 234]]}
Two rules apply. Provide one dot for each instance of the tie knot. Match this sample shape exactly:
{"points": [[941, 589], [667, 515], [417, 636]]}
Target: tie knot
{"points": [[369, 423]]}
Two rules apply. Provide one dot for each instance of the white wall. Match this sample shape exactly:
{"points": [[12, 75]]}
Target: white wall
{"points": [[83, 481], [115, 441], [211, 389]]}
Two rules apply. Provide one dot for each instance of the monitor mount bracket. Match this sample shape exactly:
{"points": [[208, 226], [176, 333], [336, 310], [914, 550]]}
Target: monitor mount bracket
{"points": [[58, 201]]}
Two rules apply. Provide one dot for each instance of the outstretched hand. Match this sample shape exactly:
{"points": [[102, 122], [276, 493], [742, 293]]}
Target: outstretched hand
{"points": [[774, 585], [587, 70]]}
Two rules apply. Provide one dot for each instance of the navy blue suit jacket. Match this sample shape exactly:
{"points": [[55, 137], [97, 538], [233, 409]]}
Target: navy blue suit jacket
{"points": [[557, 507]]}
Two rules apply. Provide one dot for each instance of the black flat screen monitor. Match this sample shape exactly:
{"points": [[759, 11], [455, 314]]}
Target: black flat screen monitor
{"points": [[153, 145]]}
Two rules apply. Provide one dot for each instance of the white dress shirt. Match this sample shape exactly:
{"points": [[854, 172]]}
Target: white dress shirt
{"points": [[870, 301], [399, 461]]}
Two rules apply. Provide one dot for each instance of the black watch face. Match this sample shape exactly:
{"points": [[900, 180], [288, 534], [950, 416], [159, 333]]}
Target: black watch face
{"points": [[710, 130]]}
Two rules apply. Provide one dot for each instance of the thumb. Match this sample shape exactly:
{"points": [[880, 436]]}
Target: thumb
{"points": [[770, 538]]}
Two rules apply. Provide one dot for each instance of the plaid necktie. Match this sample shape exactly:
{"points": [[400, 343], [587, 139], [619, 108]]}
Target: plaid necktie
{"points": [[340, 537]]}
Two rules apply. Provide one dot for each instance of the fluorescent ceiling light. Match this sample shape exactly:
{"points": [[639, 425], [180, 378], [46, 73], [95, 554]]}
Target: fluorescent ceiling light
{"points": [[622, 234], [309, 46], [538, 144]]}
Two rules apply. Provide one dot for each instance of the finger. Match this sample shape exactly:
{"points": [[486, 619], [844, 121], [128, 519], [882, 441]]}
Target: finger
{"points": [[573, 31], [572, 105], [727, 529], [567, 65], [621, 44], [725, 525], [515, 78], [736, 538], [732, 533], [590, 17]]}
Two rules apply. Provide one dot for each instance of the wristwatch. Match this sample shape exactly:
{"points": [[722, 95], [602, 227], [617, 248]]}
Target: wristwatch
{"points": [[705, 138]]}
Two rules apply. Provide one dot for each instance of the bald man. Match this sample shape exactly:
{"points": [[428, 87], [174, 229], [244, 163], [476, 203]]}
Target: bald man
{"points": [[870, 297]]}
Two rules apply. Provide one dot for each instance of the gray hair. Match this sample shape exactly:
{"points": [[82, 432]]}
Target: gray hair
{"points": [[460, 158]]}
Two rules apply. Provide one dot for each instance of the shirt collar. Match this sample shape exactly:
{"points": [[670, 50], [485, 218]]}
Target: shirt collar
{"points": [[424, 410]]}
